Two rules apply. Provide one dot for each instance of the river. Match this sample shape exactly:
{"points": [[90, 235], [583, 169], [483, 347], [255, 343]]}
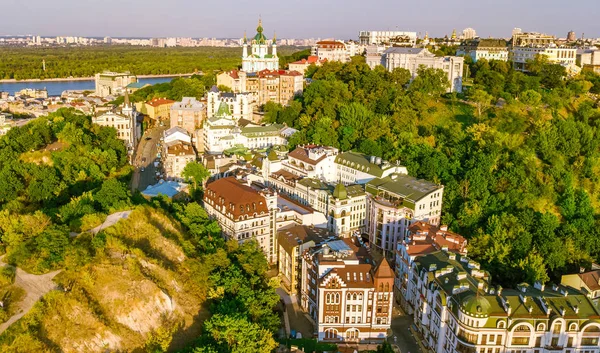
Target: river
{"points": [[55, 88]]}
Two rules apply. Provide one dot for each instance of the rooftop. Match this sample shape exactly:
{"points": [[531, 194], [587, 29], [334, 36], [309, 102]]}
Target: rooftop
{"points": [[403, 186]]}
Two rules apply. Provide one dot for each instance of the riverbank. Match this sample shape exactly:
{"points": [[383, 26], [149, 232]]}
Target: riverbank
{"points": [[69, 79]]}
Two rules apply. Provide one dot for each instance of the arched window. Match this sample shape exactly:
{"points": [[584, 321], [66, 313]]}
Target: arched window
{"points": [[387, 287], [328, 298], [557, 327], [573, 327], [501, 324], [337, 298], [541, 327], [360, 296], [354, 296], [349, 296]]}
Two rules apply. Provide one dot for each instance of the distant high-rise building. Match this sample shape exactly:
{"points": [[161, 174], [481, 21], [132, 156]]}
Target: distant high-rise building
{"points": [[571, 36], [469, 33]]}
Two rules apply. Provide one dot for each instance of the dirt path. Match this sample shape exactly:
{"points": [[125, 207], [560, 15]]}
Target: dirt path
{"points": [[111, 220], [35, 286]]}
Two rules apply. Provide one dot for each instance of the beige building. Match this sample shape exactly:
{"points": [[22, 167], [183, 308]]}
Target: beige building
{"points": [[188, 114], [279, 86], [397, 201], [413, 58], [332, 50], [113, 83], [346, 293], [123, 120], [565, 56], [240, 105], [385, 37], [489, 49], [33, 93], [302, 65], [586, 282], [156, 109], [177, 156], [293, 241]]}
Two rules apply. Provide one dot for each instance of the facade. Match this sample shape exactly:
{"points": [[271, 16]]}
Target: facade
{"points": [[156, 109], [457, 310], [223, 132], [412, 58], [589, 59], [358, 168], [123, 120], [188, 114], [113, 83], [332, 50], [293, 241], [521, 39], [260, 59], [521, 55], [397, 201], [489, 49], [240, 104], [279, 86], [302, 65], [469, 33], [33, 93], [385, 37], [348, 297], [423, 239], [176, 156], [312, 161], [244, 213]]}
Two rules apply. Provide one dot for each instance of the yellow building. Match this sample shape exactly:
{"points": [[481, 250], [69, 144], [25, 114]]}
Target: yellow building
{"points": [[156, 109]]}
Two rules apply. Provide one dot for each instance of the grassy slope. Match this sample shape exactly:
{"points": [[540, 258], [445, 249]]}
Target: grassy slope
{"points": [[140, 283]]}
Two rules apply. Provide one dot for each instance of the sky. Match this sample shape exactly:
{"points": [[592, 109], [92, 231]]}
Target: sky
{"points": [[340, 19]]}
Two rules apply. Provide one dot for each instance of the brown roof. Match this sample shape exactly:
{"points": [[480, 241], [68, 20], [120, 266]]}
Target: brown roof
{"points": [[301, 153], [159, 101], [425, 238], [350, 274], [181, 149], [285, 175], [330, 43], [591, 279], [295, 235], [238, 199], [384, 270]]}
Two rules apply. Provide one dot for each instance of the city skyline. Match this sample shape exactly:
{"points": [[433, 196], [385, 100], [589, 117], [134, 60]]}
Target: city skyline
{"points": [[309, 19]]}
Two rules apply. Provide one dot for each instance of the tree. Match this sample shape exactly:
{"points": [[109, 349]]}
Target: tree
{"points": [[430, 81], [385, 347], [238, 335], [400, 76], [195, 172], [482, 101], [531, 98], [112, 195]]}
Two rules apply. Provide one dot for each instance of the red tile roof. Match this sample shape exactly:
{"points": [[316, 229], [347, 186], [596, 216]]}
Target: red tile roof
{"points": [[591, 279], [236, 199], [159, 101], [425, 238]]}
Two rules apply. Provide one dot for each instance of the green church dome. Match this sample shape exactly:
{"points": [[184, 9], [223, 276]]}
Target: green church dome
{"points": [[476, 306], [260, 38]]}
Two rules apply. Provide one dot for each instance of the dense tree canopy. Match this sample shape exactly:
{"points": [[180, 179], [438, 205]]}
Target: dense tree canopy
{"points": [[517, 153]]}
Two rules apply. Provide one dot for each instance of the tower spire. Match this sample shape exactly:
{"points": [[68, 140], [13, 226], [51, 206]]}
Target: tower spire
{"points": [[126, 99], [274, 37]]}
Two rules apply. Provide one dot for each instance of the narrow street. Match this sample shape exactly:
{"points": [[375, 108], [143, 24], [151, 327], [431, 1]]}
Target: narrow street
{"points": [[402, 336], [145, 157]]}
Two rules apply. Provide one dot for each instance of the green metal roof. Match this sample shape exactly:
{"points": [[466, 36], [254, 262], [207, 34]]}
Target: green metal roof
{"points": [[340, 192], [403, 186], [360, 162]]}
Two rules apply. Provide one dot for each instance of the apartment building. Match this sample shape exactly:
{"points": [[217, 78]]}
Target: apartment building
{"points": [[566, 56], [358, 168], [240, 105], [480, 48], [177, 152], [302, 65], [587, 282], [188, 114], [123, 120], [312, 161], [397, 201], [347, 295], [413, 58], [279, 86], [385, 37], [293, 241], [113, 83], [156, 109], [456, 309], [32, 93], [332, 50]]}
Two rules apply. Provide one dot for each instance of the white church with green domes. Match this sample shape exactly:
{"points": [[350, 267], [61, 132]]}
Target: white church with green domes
{"points": [[260, 59]]}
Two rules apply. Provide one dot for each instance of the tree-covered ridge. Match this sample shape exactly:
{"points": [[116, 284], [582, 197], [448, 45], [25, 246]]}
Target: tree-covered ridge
{"points": [[119, 283], [520, 172], [63, 62]]}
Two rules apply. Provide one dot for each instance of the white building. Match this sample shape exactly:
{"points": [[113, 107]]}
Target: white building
{"points": [[358, 168], [489, 49], [112, 83], [312, 161], [178, 151], [385, 37], [469, 33], [260, 58], [412, 58], [397, 201], [223, 132], [565, 56], [123, 120], [240, 105], [457, 310], [331, 50]]}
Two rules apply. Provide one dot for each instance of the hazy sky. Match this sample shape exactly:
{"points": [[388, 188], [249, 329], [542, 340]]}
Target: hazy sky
{"points": [[294, 18]]}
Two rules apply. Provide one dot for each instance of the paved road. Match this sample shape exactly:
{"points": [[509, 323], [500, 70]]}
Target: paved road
{"points": [[404, 337], [146, 149], [111, 220], [35, 287], [297, 319]]}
